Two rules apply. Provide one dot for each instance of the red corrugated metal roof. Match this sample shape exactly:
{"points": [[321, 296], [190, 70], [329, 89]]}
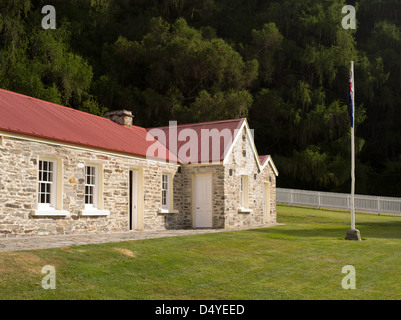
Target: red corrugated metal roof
{"points": [[37, 118], [33, 117], [194, 139], [263, 159]]}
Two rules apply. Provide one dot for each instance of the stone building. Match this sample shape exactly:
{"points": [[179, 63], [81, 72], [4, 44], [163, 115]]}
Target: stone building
{"points": [[64, 171]]}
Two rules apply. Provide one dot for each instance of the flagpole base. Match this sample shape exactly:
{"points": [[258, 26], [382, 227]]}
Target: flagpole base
{"points": [[353, 234]]}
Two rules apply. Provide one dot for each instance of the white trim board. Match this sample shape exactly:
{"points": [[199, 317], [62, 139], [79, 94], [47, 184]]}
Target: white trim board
{"points": [[252, 143], [270, 161]]}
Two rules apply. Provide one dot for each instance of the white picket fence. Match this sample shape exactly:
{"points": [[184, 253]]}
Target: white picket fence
{"points": [[319, 200]]}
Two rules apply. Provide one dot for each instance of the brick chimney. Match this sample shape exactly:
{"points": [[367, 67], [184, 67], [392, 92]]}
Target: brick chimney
{"points": [[123, 117]]}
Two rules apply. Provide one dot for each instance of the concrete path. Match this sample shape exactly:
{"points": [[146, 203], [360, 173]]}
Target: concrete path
{"points": [[46, 242]]}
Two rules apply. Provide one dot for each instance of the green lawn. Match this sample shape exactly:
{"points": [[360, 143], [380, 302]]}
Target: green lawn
{"points": [[302, 259]]}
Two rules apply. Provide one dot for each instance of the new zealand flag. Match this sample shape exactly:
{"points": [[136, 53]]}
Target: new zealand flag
{"points": [[350, 105]]}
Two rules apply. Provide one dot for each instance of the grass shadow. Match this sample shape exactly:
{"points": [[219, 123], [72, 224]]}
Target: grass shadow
{"points": [[384, 230]]}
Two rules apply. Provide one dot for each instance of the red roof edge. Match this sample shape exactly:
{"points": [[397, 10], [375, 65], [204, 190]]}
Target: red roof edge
{"points": [[59, 105], [241, 120], [263, 159]]}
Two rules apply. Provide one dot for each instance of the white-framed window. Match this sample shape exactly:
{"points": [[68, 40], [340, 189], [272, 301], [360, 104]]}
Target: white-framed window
{"points": [[165, 191], [167, 205], [91, 187], [242, 192], [50, 188], [47, 184], [244, 195], [94, 191]]}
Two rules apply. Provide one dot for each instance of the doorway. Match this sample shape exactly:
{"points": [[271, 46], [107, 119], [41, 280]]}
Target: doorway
{"points": [[203, 201], [133, 199]]}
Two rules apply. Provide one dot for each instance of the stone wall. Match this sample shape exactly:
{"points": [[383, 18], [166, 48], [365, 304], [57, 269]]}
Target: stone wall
{"points": [[188, 176], [19, 185], [19, 190], [242, 162], [226, 189]]}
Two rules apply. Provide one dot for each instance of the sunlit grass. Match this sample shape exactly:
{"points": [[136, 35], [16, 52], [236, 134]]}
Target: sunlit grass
{"points": [[301, 259]]}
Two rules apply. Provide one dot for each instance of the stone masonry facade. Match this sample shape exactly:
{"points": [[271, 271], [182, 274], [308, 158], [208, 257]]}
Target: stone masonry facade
{"points": [[226, 189], [19, 190], [242, 162]]}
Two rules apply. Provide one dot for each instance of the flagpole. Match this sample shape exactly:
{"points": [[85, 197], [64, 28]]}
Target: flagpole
{"points": [[352, 234], [353, 150]]}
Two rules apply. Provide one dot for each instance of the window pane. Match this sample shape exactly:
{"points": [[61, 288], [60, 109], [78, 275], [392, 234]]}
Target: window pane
{"points": [[164, 197], [46, 176], [90, 175], [89, 194], [164, 182], [90, 184], [165, 191], [44, 193]]}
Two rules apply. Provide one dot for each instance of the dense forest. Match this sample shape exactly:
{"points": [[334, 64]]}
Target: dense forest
{"points": [[283, 64]]}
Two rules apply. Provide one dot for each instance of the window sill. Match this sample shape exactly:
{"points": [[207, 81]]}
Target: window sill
{"points": [[244, 210], [49, 212], [95, 213], [167, 211]]}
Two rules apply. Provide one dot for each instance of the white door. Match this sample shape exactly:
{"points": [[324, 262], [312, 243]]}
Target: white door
{"points": [[203, 201], [134, 200], [266, 207]]}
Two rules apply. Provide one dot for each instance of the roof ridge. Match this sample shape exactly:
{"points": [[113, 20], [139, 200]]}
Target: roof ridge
{"points": [[200, 123]]}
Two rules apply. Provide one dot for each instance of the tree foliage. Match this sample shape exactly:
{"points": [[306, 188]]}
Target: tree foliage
{"points": [[283, 64], [173, 71], [40, 62]]}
